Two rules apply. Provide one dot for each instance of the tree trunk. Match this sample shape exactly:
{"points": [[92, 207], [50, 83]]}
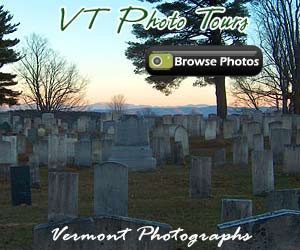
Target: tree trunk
{"points": [[221, 96]]}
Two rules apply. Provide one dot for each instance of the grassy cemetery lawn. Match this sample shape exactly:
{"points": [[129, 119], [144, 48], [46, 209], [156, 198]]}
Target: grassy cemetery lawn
{"points": [[160, 196]]}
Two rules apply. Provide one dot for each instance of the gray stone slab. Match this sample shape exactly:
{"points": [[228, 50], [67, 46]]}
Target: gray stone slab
{"points": [[284, 199], [111, 189], [272, 231]]}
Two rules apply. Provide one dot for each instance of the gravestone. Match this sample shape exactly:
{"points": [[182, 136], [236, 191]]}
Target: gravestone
{"points": [[111, 189], [240, 151], [200, 177], [258, 142], [291, 159], [262, 172], [182, 137], [193, 125], [219, 158], [62, 196], [253, 129], [211, 129], [178, 157], [180, 120], [57, 152], [271, 231], [161, 144], [5, 155], [83, 152], [279, 138], [284, 199], [167, 119], [132, 144], [235, 209], [228, 129], [35, 179], [83, 124], [106, 147], [20, 185], [13, 148], [43, 238], [48, 120]]}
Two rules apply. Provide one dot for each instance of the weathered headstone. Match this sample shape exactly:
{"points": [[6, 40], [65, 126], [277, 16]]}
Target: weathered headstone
{"points": [[200, 177], [193, 125], [211, 129], [62, 196], [228, 129], [235, 209], [111, 189], [279, 138], [258, 142], [182, 137], [272, 231], [132, 144], [284, 199], [262, 172], [83, 153], [219, 158], [20, 185], [240, 151], [291, 159]]}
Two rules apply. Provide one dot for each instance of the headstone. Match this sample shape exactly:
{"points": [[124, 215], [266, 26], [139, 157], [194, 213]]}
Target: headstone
{"points": [[253, 129], [5, 155], [182, 137], [235, 209], [258, 142], [240, 151], [48, 120], [161, 144], [83, 153], [228, 129], [200, 177], [219, 158], [108, 225], [34, 164], [262, 172], [62, 196], [276, 231], [132, 144], [13, 148], [178, 157], [279, 138], [287, 121], [284, 199], [20, 185], [167, 119], [111, 189], [83, 124], [193, 125], [291, 159], [180, 120], [211, 129]]}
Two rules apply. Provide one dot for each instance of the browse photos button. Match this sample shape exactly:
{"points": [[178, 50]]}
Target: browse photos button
{"points": [[204, 60]]}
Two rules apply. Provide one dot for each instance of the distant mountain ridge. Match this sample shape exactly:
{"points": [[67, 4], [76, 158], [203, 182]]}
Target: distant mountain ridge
{"points": [[155, 110]]}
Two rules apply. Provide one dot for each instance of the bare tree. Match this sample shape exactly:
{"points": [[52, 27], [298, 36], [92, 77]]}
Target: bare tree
{"points": [[50, 83], [278, 31], [117, 104]]}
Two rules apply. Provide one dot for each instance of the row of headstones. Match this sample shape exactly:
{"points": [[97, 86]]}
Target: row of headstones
{"points": [[110, 213], [278, 229]]}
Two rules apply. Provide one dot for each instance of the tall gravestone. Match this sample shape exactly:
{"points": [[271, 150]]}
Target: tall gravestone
{"points": [[279, 138], [181, 136], [211, 129], [132, 146], [161, 144], [20, 185], [62, 196], [262, 172], [111, 189], [200, 177], [240, 151], [291, 159]]}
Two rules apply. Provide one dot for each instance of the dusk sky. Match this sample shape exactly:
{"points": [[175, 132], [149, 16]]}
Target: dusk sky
{"points": [[99, 53]]}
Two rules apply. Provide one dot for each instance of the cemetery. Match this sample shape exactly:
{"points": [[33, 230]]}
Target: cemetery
{"points": [[89, 174]]}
